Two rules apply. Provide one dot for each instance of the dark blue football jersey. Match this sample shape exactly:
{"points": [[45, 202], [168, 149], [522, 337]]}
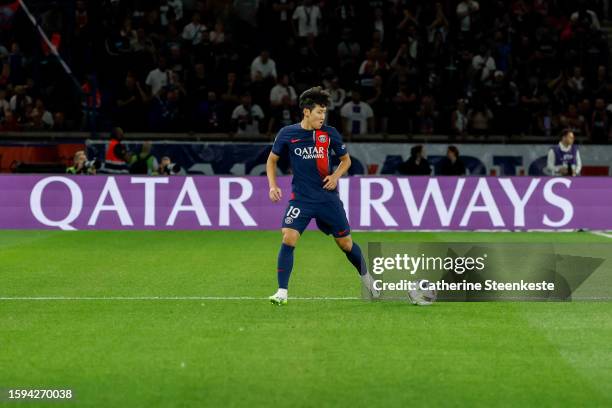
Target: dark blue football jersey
{"points": [[309, 155]]}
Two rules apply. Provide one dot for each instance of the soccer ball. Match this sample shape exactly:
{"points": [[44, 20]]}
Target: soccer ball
{"points": [[422, 297]]}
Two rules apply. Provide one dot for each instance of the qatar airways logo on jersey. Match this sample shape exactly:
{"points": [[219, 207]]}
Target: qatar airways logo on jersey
{"points": [[311, 152]]}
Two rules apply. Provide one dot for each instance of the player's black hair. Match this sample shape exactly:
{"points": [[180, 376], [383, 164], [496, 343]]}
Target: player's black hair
{"points": [[314, 96]]}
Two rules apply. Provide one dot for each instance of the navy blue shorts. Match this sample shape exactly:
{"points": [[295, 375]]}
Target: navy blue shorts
{"points": [[329, 216]]}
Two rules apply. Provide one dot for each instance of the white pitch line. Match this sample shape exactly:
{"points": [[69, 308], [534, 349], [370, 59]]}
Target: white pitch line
{"points": [[601, 234], [202, 298], [166, 298]]}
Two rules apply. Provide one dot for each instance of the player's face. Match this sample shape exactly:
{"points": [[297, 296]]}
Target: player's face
{"points": [[317, 116]]}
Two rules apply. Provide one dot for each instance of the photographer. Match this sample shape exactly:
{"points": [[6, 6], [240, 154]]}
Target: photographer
{"points": [[564, 158], [167, 168], [83, 166]]}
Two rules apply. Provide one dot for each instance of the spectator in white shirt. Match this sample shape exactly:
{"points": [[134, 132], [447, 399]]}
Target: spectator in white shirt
{"points": [[358, 116], [4, 104], [465, 10], [177, 7], [587, 16], [218, 35], [19, 100], [159, 77], [164, 8], [307, 17], [282, 89], [247, 116], [577, 82], [193, 31], [484, 64], [45, 116], [263, 67]]}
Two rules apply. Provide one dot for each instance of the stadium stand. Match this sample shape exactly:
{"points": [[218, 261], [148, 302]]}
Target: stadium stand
{"points": [[512, 68]]}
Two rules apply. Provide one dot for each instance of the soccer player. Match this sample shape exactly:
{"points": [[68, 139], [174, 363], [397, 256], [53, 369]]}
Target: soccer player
{"points": [[314, 194]]}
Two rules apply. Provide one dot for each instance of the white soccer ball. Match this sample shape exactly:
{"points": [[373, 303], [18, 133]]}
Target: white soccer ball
{"points": [[422, 297]]}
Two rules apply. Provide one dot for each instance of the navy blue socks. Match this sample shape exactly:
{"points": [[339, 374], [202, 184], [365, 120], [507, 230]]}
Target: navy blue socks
{"points": [[285, 265], [356, 258]]}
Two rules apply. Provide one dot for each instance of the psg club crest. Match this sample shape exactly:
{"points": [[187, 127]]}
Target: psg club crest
{"points": [[322, 138]]}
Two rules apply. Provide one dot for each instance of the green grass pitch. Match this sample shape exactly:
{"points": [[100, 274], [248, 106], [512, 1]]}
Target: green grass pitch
{"points": [[245, 352]]}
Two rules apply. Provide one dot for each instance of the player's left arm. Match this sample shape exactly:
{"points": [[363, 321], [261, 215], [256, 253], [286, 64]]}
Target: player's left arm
{"points": [[331, 181]]}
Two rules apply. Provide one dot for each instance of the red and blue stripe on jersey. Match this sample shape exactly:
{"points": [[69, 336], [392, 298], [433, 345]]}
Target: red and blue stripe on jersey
{"points": [[322, 145]]}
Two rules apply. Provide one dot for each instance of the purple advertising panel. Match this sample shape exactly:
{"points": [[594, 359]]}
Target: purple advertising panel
{"points": [[241, 203]]}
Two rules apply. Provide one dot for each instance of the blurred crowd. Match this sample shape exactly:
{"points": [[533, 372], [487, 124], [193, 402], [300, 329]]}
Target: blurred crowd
{"points": [[237, 66]]}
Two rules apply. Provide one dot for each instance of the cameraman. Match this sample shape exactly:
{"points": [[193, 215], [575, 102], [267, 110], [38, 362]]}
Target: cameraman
{"points": [[167, 168], [564, 158], [83, 166]]}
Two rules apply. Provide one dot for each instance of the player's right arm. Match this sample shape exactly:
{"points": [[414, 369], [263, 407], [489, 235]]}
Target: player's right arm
{"points": [[275, 192], [278, 148]]}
